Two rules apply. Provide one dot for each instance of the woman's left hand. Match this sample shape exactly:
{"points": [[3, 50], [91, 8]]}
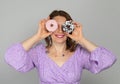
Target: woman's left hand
{"points": [[77, 34]]}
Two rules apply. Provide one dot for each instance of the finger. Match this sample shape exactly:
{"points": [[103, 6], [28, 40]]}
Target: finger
{"points": [[43, 24], [49, 33], [77, 25], [69, 35], [48, 18]]}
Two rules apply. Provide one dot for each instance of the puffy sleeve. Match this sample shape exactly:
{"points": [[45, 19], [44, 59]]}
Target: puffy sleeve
{"points": [[97, 60], [20, 59]]}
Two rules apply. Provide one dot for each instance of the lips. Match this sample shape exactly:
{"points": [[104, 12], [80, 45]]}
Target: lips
{"points": [[59, 35]]}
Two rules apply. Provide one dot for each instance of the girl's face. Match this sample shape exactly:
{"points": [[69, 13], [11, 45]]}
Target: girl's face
{"points": [[59, 36]]}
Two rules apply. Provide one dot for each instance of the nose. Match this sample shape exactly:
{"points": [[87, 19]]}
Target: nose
{"points": [[60, 28]]}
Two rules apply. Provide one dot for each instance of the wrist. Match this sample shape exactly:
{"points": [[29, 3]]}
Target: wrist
{"points": [[37, 37], [81, 41], [87, 44]]}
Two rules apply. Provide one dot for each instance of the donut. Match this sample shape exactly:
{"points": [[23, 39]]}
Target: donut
{"points": [[68, 26], [51, 25]]}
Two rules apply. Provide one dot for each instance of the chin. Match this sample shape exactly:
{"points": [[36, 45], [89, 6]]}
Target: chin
{"points": [[60, 41]]}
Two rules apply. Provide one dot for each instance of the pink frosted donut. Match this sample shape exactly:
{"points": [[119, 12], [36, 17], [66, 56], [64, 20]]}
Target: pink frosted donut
{"points": [[51, 25]]}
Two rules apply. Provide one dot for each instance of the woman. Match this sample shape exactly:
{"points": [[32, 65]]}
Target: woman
{"points": [[63, 58]]}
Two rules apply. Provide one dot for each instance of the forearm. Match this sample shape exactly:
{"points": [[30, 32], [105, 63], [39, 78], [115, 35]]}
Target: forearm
{"points": [[87, 44], [27, 44]]}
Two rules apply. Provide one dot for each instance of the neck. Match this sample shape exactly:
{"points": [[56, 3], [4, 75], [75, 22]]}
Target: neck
{"points": [[59, 48]]}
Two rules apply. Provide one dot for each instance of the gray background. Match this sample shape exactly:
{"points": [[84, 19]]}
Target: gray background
{"points": [[100, 18]]}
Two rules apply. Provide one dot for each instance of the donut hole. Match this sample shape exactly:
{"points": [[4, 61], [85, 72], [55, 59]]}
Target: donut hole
{"points": [[68, 26], [51, 25]]}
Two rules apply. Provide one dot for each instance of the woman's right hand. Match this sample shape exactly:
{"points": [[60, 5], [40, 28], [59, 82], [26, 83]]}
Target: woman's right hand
{"points": [[42, 32]]}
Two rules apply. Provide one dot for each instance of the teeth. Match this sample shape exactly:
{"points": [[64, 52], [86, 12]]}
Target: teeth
{"points": [[59, 36]]}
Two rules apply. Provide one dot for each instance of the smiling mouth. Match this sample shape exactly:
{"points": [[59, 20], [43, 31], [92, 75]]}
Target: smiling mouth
{"points": [[59, 35]]}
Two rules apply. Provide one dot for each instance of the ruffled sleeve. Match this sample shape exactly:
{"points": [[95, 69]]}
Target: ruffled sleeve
{"points": [[20, 59], [97, 60]]}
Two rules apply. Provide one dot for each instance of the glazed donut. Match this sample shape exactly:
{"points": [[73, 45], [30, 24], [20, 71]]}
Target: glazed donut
{"points": [[68, 26], [51, 25]]}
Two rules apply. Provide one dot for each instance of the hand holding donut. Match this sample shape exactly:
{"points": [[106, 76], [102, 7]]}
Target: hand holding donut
{"points": [[42, 32], [77, 34]]}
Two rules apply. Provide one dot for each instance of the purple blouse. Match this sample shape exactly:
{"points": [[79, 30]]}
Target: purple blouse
{"points": [[49, 72]]}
